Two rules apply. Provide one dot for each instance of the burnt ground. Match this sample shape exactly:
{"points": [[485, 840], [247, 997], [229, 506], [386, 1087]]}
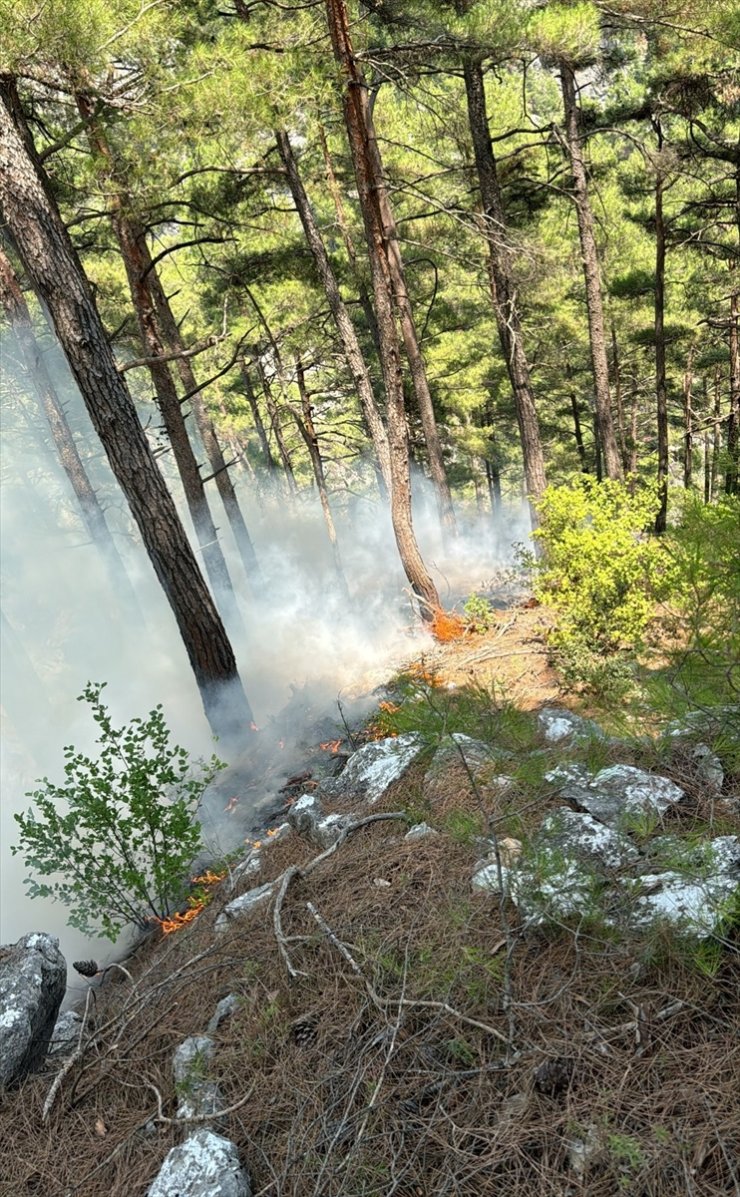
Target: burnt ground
{"points": [[427, 1046]]}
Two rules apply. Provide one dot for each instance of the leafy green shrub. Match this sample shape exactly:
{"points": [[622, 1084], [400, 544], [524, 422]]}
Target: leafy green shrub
{"points": [[478, 613], [703, 608], [601, 573], [119, 832]]}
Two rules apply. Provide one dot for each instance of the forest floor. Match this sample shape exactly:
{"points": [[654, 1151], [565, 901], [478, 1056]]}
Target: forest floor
{"points": [[428, 1045]]}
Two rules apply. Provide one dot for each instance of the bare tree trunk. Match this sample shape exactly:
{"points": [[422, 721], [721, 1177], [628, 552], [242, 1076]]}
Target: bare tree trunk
{"points": [[277, 431], [51, 261], [304, 421], [402, 302], [137, 260], [732, 475], [688, 435], [93, 517], [336, 195], [347, 335], [632, 456], [590, 259], [204, 424], [576, 420], [717, 434], [502, 287], [356, 120], [617, 370], [661, 390], [269, 460]]}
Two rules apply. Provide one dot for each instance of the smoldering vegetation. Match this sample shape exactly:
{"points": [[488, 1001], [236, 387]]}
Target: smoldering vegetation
{"points": [[301, 644]]}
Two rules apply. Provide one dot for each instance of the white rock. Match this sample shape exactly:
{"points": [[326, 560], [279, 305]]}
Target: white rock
{"points": [[582, 836], [243, 905], [196, 1094], [622, 790], [420, 832], [225, 1008], [371, 770], [205, 1165]]}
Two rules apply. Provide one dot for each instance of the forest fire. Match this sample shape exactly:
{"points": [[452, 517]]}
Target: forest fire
{"points": [[447, 626], [331, 746], [197, 902]]}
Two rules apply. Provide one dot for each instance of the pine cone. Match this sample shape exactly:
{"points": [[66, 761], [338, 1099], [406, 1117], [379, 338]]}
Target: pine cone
{"points": [[303, 1031], [86, 968]]}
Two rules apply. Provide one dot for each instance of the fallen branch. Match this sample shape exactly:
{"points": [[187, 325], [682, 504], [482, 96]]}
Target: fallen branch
{"points": [[304, 871]]}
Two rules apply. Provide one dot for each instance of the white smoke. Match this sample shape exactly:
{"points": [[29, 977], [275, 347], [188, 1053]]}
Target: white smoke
{"points": [[64, 625]]}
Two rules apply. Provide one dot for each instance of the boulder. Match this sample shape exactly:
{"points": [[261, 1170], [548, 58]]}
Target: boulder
{"points": [[420, 831], [243, 905], [33, 980], [196, 1094], [708, 767], [581, 837], [205, 1165], [692, 895], [307, 818], [66, 1033], [373, 769], [225, 1008], [558, 723], [622, 791]]}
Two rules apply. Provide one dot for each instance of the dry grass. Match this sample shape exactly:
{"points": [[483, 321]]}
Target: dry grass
{"points": [[410, 1077], [354, 1095]]}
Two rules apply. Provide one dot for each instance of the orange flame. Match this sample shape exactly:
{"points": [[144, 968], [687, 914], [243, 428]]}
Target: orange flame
{"points": [[447, 626], [390, 708], [177, 921], [331, 745], [196, 903]]}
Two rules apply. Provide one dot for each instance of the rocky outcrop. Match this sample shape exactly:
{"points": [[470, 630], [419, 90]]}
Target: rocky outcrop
{"points": [[205, 1165], [33, 979], [373, 769]]}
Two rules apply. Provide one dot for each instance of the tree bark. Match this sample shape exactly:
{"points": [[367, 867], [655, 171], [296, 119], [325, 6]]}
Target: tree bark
{"points": [[732, 474], [93, 517], [270, 463], [402, 304], [365, 168], [204, 424], [590, 260], [661, 390], [53, 265], [277, 431], [688, 434], [717, 432], [304, 421], [617, 371], [502, 287], [137, 261], [347, 335]]}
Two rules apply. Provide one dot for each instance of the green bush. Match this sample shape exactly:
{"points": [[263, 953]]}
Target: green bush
{"points": [[703, 607], [120, 831], [601, 572]]}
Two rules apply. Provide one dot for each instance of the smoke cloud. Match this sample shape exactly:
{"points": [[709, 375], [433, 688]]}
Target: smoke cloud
{"points": [[298, 642]]}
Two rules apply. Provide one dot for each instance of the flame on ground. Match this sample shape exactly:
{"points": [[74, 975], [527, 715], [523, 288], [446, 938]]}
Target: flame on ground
{"points": [[331, 745], [196, 903], [446, 626]]}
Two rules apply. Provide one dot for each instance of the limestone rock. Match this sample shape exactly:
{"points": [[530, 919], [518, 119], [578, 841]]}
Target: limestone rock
{"points": [[558, 723], [622, 791], [225, 1008], [582, 837], [708, 767], [205, 1165], [196, 1094], [373, 769], [243, 905], [33, 979], [66, 1033], [419, 832], [307, 818]]}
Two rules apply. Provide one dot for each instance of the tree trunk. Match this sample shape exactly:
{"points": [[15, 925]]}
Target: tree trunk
{"points": [[304, 421], [204, 424], [502, 287], [347, 335], [661, 390], [137, 261], [93, 517], [688, 435], [717, 433], [402, 303], [270, 463], [52, 264], [356, 120], [617, 371], [277, 430], [590, 260], [732, 475], [336, 195]]}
